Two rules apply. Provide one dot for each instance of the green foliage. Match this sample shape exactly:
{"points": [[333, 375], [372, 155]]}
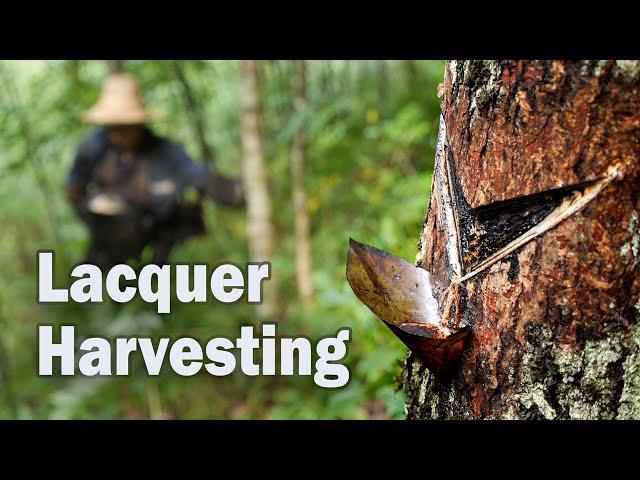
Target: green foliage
{"points": [[370, 130]]}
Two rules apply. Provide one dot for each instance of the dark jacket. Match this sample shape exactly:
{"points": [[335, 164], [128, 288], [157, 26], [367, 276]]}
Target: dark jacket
{"points": [[152, 183]]}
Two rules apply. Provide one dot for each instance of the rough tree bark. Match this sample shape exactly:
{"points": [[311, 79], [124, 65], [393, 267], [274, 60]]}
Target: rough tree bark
{"points": [[304, 267], [254, 174], [554, 325]]}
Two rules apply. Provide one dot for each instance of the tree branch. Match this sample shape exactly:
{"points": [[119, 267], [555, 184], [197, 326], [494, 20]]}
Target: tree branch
{"points": [[197, 119]]}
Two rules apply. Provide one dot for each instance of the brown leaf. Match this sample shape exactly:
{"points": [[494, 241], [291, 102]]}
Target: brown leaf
{"points": [[394, 289], [402, 296]]}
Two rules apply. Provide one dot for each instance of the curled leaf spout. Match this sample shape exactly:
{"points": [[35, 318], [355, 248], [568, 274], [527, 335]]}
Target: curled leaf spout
{"points": [[401, 295]]}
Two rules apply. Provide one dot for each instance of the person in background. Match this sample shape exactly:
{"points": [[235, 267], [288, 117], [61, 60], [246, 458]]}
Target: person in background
{"points": [[133, 188]]}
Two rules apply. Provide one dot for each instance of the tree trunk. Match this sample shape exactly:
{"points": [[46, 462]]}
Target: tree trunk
{"points": [[304, 267], [382, 80], [196, 116], [554, 324], [411, 71], [73, 71], [326, 76], [258, 200], [115, 66]]}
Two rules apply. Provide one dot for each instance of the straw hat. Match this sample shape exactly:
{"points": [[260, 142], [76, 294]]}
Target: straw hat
{"points": [[120, 103]]}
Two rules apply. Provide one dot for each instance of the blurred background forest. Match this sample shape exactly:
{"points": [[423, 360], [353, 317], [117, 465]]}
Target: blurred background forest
{"points": [[366, 134]]}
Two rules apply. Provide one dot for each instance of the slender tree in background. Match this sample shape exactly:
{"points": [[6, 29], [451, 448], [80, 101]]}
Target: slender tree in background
{"points": [[225, 189], [326, 76], [73, 71], [115, 66], [195, 113], [363, 70], [257, 197], [554, 324], [345, 76], [412, 71], [382, 79], [304, 269]]}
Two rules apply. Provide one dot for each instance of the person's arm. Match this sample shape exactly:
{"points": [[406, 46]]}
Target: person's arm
{"points": [[223, 190]]}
